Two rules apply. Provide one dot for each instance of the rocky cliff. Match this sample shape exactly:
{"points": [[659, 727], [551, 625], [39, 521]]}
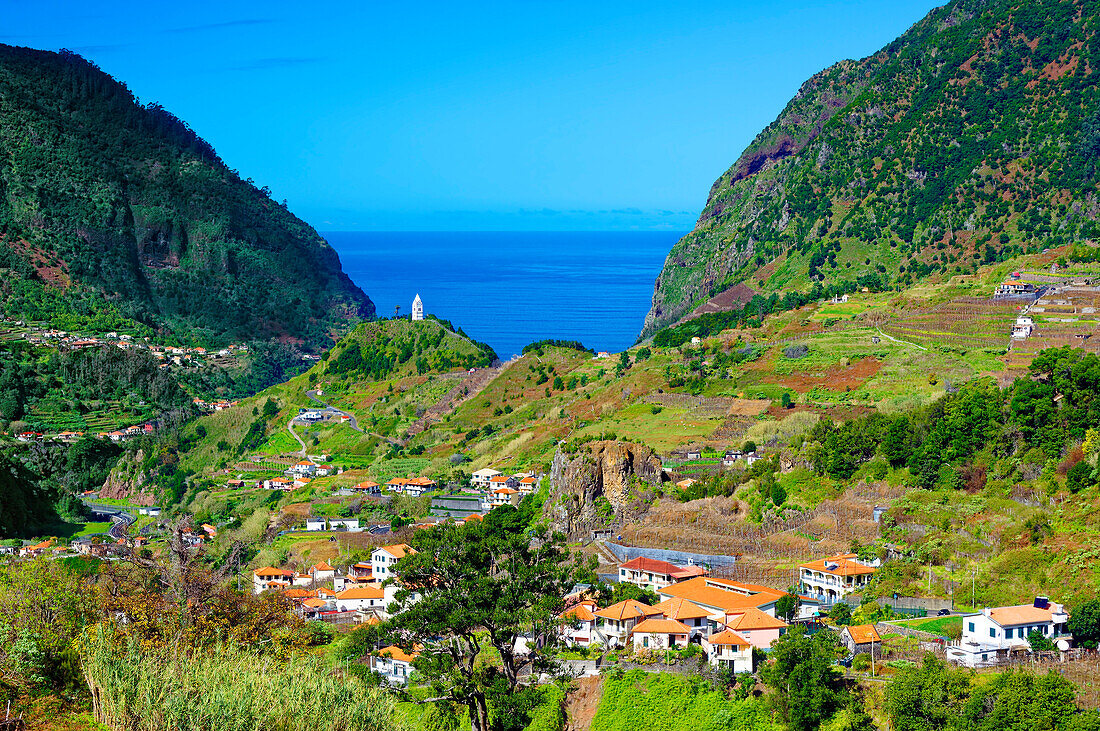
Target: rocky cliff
{"points": [[601, 485]]}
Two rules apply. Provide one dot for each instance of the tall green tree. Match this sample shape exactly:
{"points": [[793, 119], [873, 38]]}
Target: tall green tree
{"points": [[469, 595], [809, 688]]}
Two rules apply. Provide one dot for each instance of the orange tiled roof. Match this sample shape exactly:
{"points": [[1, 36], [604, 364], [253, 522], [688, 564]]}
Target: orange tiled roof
{"points": [[582, 612], [361, 592], [627, 609], [864, 633], [269, 571], [721, 593], [727, 637], [659, 626], [315, 603], [681, 609], [846, 566], [322, 566], [1020, 614], [398, 550], [752, 618], [395, 652]]}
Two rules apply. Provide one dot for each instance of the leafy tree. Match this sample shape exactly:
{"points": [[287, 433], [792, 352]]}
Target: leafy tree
{"points": [[1079, 477], [841, 613], [801, 671], [1084, 624], [787, 605], [481, 586], [1040, 642]]}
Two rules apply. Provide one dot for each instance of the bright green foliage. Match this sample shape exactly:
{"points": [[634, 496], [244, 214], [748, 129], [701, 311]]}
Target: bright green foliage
{"points": [[112, 200], [375, 350], [939, 697], [1084, 624], [660, 702], [808, 686], [224, 689]]}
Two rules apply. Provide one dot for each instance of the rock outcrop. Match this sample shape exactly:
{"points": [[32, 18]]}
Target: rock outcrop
{"points": [[128, 482], [601, 485]]}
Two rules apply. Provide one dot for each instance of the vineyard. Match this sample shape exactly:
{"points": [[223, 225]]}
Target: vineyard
{"points": [[963, 324]]}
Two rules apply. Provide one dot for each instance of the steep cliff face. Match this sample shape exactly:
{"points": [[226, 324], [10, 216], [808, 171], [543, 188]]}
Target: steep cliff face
{"points": [[601, 485], [971, 138], [128, 481], [108, 204]]}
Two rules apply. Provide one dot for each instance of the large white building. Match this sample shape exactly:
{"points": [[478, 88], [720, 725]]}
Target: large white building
{"points": [[831, 579], [418, 309], [992, 633]]}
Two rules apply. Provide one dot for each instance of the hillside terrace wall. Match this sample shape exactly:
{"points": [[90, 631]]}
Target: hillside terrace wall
{"points": [[680, 558]]}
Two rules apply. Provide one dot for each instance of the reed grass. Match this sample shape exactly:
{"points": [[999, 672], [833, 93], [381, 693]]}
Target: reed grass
{"points": [[224, 689]]}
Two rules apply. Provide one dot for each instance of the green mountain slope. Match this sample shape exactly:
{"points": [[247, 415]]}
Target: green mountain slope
{"points": [[973, 137], [108, 205]]}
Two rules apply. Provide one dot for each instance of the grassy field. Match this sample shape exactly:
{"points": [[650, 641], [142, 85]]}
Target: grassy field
{"points": [[945, 626]]}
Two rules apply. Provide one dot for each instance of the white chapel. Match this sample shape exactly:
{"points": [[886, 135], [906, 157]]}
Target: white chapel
{"points": [[418, 309]]}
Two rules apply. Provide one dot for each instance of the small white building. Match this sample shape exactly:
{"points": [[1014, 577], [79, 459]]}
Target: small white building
{"points": [[481, 477], [729, 650], [360, 598], [394, 664], [417, 309], [579, 624], [659, 633], [831, 579], [271, 578], [1022, 328], [384, 557], [992, 633]]}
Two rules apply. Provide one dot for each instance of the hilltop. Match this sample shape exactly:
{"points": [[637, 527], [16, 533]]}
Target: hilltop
{"points": [[114, 211], [970, 139]]}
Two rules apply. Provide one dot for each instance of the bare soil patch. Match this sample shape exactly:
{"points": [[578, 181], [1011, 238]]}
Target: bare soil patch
{"points": [[582, 703], [836, 378]]}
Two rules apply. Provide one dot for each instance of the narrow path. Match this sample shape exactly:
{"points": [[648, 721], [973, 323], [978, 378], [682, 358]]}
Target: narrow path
{"points": [[903, 342], [312, 395], [294, 434]]}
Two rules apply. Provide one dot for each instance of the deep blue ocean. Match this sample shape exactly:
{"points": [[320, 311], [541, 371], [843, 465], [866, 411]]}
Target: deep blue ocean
{"points": [[511, 288]]}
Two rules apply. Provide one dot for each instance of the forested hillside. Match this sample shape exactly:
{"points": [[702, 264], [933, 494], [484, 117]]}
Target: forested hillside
{"points": [[973, 137], [111, 209]]}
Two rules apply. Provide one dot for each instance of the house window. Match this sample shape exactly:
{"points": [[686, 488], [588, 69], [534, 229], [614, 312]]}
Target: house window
{"points": [[1008, 633], [971, 626], [645, 641], [992, 632]]}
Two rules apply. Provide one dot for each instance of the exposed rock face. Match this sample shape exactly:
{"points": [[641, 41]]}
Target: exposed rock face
{"points": [[127, 482], [602, 485]]}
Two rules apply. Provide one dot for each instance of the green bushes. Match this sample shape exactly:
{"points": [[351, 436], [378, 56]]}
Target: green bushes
{"points": [[223, 688], [549, 715], [660, 702]]}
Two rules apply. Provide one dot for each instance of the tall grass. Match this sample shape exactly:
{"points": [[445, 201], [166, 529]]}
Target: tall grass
{"points": [[224, 688]]}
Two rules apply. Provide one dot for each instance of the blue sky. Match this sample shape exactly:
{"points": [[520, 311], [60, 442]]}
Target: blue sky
{"points": [[476, 116]]}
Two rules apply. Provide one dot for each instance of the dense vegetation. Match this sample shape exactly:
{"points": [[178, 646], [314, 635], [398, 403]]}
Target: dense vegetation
{"points": [[112, 210], [910, 167], [375, 350]]}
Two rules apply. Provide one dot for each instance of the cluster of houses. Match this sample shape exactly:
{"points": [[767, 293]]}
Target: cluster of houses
{"points": [[64, 340], [729, 459], [68, 437], [212, 406], [997, 633]]}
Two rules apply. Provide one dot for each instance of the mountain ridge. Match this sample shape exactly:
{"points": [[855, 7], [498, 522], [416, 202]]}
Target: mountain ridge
{"points": [[969, 139]]}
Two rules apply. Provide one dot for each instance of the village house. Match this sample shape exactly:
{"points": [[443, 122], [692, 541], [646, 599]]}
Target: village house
{"points": [[321, 572], [37, 549], [502, 496], [320, 523], [653, 574], [722, 597], [1014, 289], [417, 486], [579, 623], [269, 578], [694, 617], [659, 633], [989, 635], [384, 557], [498, 481], [759, 629], [367, 487], [831, 579], [303, 468], [527, 485], [394, 664], [728, 650], [357, 598], [861, 639], [278, 483], [481, 477], [615, 622]]}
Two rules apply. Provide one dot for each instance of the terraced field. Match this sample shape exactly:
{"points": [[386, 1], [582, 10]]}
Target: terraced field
{"points": [[965, 324]]}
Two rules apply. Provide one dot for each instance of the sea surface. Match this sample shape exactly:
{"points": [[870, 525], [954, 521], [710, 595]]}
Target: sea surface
{"points": [[509, 289]]}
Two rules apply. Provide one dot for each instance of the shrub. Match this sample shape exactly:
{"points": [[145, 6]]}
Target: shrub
{"points": [[794, 352]]}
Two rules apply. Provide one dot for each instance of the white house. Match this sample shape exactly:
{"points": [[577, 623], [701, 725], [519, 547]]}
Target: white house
{"points": [[321, 572], [658, 633], [727, 649], [384, 557], [579, 624], [616, 622], [270, 578], [502, 496], [417, 309], [394, 664], [481, 477], [316, 523], [832, 579], [993, 632], [694, 617], [303, 468], [360, 598], [653, 574]]}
